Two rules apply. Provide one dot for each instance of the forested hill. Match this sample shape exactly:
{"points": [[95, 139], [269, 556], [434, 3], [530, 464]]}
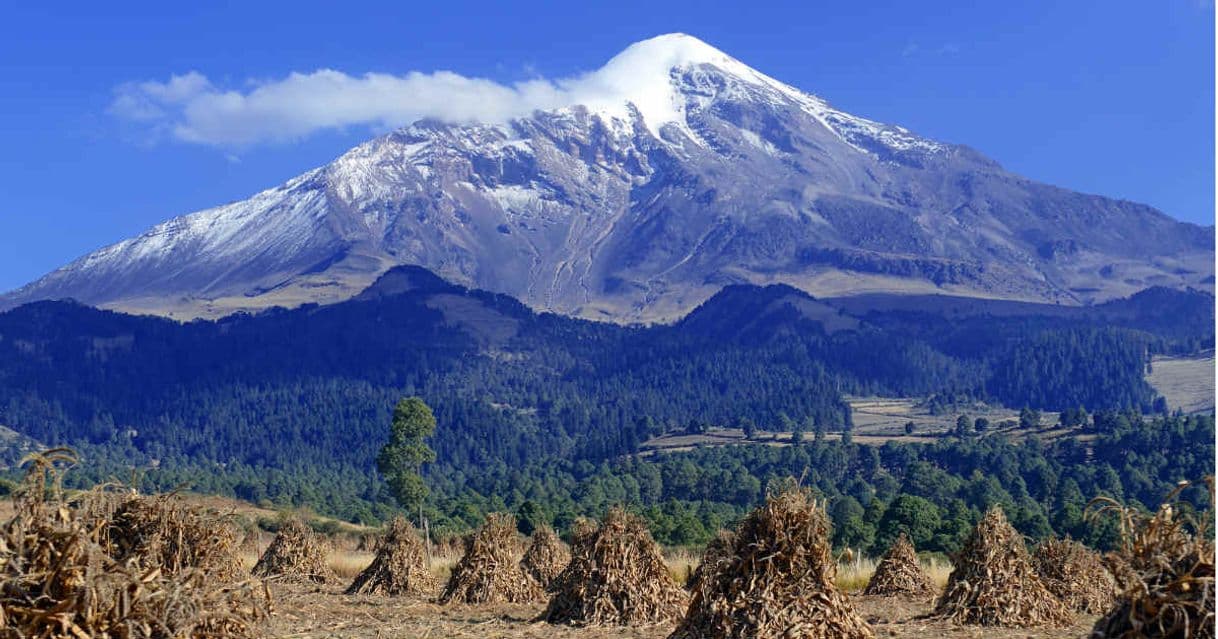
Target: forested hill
{"points": [[297, 401]]}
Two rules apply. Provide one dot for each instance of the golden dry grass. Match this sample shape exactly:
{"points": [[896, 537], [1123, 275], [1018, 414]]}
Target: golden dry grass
{"points": [[349, 563], [681, 562], [852, 576]]}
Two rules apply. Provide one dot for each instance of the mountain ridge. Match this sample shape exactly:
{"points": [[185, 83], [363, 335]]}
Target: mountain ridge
{"points": [[694, 173], [305, 393]]}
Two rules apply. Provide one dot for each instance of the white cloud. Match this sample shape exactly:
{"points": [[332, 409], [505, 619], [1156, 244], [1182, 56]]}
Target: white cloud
{"points": [[192, 108]]}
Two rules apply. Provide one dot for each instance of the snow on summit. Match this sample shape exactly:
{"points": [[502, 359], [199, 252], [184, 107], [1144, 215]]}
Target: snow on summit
{"points": [[631, 192], [659, 82], [642, 75], [645, 76], [648, 81]]}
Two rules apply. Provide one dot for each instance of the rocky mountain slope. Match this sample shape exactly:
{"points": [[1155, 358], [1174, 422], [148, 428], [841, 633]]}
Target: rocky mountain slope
{"points": [[698, 172]]}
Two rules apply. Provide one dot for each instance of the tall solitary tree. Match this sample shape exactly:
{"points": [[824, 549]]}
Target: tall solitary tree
{"points": [[401, 460]]}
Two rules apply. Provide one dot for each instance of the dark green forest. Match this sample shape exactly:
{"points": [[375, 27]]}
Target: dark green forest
{"points": [[545, 414], [935, 492]]}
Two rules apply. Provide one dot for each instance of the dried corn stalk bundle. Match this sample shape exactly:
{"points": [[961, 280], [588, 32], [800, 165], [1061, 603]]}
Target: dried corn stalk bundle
{"points": [[719, 549], [777, 582], [163, 530], [1165, 573], [994, 584], [297, 554], [617, 576], [1076, 575], [900, 574], [489, 571], [583, 531], [581, 536], [546, 557], [399, 567], [57, 578]]}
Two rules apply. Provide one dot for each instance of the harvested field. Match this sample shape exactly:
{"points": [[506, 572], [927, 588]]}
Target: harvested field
{"points": [[887, 416], [309, 611], [67, 571], [877, 421], [304, 612], [195, 604]]}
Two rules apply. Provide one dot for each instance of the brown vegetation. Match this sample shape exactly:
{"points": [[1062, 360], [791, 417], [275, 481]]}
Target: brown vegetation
{"points": [[900, 574], [617, 576], [488, 571], [65, 573], [399, 567], [777, 582], [296, 554], [546, 557], [1165, 572], [165, 530], [1075, 574], [582, 533], [718, 550], [994, 584]]}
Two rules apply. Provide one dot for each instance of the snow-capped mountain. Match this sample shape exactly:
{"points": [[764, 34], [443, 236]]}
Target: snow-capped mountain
{"points": [[686, 172]]}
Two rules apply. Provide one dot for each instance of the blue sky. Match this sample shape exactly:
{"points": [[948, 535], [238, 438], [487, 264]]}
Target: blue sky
{"points": [[1113, 97]]}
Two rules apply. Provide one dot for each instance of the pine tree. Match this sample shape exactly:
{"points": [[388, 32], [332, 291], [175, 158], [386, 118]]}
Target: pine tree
{"points": [[401, 460]]}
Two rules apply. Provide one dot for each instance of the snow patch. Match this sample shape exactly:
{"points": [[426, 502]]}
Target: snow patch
{"points": [[757, 141], [516, 199]]}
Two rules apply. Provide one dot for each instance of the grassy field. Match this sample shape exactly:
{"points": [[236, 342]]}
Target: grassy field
{"points": [[888, 415], [876, 420], [1186, 382]]}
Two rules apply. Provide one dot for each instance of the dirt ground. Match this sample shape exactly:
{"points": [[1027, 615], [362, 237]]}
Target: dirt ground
{"points": [[307, 612]]}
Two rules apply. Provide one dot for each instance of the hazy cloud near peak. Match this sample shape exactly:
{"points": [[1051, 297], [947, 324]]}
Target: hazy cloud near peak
{"points": [[191, 108]]}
